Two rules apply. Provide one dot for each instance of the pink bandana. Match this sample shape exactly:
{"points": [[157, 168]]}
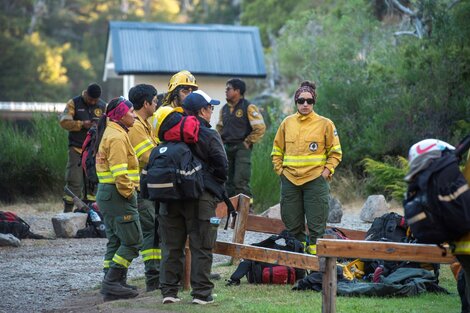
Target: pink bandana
{"points": [[119, 111]]}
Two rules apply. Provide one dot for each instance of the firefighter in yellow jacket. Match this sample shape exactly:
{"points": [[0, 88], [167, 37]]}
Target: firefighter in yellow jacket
{"points": [[305, 153], [117, 169], [179, 87], [144, 99]]}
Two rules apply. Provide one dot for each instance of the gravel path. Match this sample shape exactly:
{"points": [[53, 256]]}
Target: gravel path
{"points": [[41, 275]]}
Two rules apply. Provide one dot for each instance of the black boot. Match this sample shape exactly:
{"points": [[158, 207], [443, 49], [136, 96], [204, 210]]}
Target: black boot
{"points": [[112, 289], [68, 206], [124, 280], [152, 280]]}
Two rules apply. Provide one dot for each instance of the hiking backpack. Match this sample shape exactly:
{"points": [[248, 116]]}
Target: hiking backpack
{"points": [[88, 158], [437, 204], [10, 223], [266, 273], [388, 227], [172, 173]]}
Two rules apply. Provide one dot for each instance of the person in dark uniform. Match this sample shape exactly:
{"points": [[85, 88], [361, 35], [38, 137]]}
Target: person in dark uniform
{"points": [[180, 218], [240, 126], [79, 115]]}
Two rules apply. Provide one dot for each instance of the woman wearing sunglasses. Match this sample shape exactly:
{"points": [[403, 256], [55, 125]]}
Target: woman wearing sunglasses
{"points": [[306, 151]]}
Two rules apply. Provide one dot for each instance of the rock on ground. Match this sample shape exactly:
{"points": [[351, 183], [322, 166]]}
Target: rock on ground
{"points": [[46, 275]]}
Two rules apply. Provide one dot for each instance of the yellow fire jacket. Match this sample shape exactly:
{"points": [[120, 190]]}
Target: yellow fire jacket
{"points": [[463, 245], [304, 145], [116, 161], [142, 139]]}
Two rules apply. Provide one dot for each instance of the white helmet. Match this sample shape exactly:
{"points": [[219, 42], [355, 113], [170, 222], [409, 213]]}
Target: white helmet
{"points": [[427, 145]]}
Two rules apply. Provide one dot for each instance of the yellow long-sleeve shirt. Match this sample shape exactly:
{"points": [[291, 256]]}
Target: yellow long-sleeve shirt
{"points": [[142, 139], [304, 145], [116, 160]]}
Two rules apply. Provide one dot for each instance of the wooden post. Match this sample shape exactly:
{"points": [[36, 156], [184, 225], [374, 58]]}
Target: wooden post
{"points": [[328, 267], [241, 221], [187, 266]]}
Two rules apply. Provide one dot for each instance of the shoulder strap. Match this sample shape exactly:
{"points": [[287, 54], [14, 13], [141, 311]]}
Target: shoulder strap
{"points": [[462, 147], [182, 128]]}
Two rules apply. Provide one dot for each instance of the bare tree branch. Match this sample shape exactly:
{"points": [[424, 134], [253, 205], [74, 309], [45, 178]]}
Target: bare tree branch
{"points": [[453, 3], [403, 8], [405, 33]]}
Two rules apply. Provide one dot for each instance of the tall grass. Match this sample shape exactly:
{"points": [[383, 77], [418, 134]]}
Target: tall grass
{"points": [[32, 161], [265, 183]]}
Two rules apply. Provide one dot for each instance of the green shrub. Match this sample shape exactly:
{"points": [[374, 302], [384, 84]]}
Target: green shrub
{"points": [[33, 160], [386, 177], [264, 181]]}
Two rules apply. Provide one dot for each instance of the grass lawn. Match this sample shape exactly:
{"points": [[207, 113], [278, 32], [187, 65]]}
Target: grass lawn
{"points": [[269, 298]]}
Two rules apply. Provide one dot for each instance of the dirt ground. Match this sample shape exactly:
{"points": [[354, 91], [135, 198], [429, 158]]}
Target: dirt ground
{"points": [[63, 275]]}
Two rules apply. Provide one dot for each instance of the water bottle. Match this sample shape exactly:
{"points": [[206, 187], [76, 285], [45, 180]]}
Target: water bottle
{"points": [[94, 216], [215, 221]]}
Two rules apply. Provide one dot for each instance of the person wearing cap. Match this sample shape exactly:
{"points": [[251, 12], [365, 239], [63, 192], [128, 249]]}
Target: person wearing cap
{"points": [[80, 113], [180, 218], [423, 155], [117, 168], [306, 151], [240, 125], [144, 99]]}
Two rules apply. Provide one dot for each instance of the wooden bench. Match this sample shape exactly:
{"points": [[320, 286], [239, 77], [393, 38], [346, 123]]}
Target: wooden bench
{"points": [[328, 250]]}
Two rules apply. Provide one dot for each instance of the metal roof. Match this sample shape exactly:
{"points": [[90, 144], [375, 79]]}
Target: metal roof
{"points": [[157, 48]]}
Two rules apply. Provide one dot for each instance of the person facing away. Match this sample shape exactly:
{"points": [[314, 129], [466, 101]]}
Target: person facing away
{"points": [[240, 125], [306, 151], [80, 113], [180, 218], [144, 99], [117, 168]]}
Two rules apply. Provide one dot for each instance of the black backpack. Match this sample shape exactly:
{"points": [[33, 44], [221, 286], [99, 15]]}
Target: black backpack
{"points": [[388, 227], [172, 173], [88, 159], [437, 204], [254, 270], [10, 223], [391, 227]]}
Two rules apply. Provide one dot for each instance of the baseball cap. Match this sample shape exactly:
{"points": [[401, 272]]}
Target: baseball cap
{"points": [[198, 99]]}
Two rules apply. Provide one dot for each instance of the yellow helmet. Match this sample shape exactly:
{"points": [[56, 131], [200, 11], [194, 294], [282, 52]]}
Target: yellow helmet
{"points": [[159, 116], [182, 78]]}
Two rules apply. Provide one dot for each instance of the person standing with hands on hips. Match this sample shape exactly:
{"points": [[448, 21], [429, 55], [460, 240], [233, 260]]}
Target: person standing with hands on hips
{"points": [[117, 168], [306, 151]]}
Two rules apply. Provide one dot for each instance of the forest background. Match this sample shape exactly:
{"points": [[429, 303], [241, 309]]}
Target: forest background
{"points": [[389, 73]]}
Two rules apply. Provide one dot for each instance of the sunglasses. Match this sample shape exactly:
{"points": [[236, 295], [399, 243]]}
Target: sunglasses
{"points": [[302, 101], [211, 107]]}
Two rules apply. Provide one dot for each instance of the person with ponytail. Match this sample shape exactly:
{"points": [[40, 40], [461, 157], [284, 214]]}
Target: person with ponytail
{"points": [[117, 169], [306, 151]]}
